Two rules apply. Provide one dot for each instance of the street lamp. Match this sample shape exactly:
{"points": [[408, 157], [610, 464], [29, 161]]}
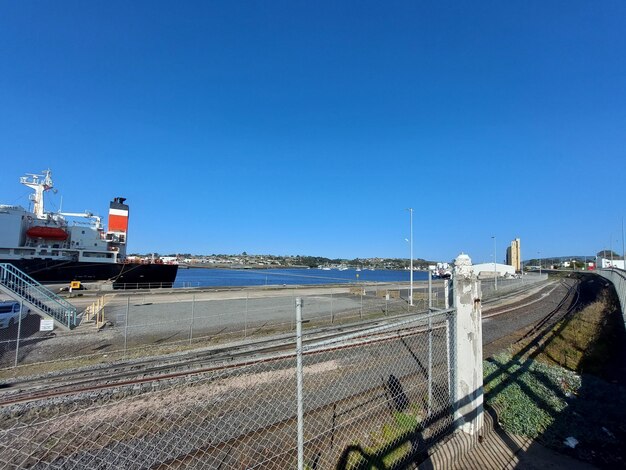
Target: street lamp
{"points": [[623, 250], [495, 272], [411, 260]]}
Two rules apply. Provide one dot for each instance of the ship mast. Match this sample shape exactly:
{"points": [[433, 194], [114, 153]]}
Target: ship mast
{"points": [[39, 184]]}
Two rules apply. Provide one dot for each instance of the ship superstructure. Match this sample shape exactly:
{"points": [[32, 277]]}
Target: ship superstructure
{"points": [[64, 246]]}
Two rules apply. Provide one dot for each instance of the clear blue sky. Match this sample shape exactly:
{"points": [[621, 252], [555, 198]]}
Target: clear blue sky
{"points": [[308, 128]]}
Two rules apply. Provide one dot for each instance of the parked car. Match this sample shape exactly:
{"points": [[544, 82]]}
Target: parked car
{"points": [[10, 313]]}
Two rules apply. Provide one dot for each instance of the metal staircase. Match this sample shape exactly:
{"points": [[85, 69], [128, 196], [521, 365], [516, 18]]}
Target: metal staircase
{"points": [[21, 286]]}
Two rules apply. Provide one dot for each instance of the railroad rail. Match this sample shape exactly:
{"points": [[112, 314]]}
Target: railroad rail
{"points": [[159, 369], [184, 364]]}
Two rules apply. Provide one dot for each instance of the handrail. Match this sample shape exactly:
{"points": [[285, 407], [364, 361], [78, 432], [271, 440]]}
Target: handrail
{"points": [[35, 294]]}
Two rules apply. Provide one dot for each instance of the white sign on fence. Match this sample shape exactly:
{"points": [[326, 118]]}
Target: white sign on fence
{"points": [[46, 325]]}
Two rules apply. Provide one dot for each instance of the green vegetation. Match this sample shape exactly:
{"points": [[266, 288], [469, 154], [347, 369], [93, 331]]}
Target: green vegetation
{"points": [[582, 342], [390, 444], [527, 396], [277, 261], [568, 383]]}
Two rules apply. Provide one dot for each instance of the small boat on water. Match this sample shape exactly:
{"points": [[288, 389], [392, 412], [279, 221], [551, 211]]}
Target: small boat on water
{"points": [[60, 247]]}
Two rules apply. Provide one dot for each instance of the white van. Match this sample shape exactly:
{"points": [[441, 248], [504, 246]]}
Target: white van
{"points": [[10, 313]]}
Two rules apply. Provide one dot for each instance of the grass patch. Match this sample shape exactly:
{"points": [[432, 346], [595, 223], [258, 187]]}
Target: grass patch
{"points": [[388, 445], [528, 396], [568, 383], [583, 342]]}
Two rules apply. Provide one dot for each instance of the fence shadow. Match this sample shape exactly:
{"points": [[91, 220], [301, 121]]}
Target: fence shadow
{"points": [[411, 447], [581, 411]]}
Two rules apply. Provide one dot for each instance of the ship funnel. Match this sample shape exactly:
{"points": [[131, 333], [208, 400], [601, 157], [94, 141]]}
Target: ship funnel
{"points": [[118, 216]]}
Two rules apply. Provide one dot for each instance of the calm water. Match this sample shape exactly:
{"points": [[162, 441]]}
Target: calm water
{"points": [[196, 277]]}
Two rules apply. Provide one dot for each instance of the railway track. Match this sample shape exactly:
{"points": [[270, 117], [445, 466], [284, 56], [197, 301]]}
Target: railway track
{"points": [[233, 435], [532, 317], [162, 369]]}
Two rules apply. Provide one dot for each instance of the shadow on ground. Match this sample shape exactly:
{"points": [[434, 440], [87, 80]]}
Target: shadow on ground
{"points": [[595, 415], [592, 427]]}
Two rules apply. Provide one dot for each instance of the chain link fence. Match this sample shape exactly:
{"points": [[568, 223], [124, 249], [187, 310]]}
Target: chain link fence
{"points": [[508, 285], [379, 397], [144, 324]]}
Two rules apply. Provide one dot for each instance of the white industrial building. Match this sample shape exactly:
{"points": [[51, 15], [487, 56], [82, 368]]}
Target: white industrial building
{"points": [[604, 263], [486, 270]]}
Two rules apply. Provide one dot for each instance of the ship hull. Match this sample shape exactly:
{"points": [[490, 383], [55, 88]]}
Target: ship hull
{"points": [[122, 275]]}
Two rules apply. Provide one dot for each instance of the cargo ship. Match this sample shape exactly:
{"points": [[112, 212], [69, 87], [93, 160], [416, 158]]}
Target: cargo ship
{"points": [[60, 247]]}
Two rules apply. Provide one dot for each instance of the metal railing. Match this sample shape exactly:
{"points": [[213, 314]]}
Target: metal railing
{"points": [[95, 312], [20, 285]]}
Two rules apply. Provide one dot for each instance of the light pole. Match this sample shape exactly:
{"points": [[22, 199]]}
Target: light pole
{"points": [[538, 253], [411, 260], [495, 272]]}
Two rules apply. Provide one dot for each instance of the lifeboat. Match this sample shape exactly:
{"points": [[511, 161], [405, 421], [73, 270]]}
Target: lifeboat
{"points": [[47, 233]]}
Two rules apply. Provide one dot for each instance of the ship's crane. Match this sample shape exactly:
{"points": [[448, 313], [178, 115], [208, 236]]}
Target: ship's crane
{"points": [[87, 215]]}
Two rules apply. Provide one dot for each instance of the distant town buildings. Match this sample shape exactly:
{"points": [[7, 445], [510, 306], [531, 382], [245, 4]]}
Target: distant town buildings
{"points": [[514, 255], [615, 262]]}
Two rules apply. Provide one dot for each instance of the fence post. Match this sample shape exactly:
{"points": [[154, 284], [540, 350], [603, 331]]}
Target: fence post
{"points": [[450, 355], [430, 363], [468, 346], [361, 311], [332, 314], [245, 318], [299, 383], [387, 302], [193, 304], [430, 290], [19, 331], [446, 293], [126, 325]]}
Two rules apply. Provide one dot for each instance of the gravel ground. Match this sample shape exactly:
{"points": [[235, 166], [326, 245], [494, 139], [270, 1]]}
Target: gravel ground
{"points": [[131, 427]]}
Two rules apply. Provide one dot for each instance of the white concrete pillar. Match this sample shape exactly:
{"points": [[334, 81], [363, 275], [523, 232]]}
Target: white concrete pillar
{"points": [[468, 340]]}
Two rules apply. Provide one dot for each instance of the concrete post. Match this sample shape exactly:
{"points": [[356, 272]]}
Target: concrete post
{"points": [[468, 377]]}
